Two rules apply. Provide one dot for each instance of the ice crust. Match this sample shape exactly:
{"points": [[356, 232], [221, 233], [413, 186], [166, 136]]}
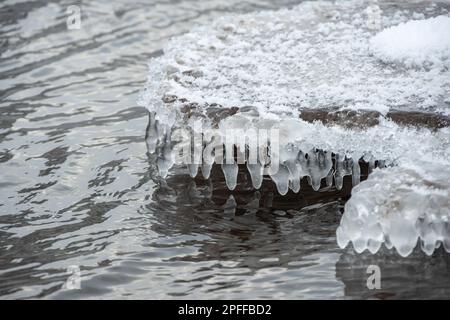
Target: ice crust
{"points": [[316, 55], [260, 70]]}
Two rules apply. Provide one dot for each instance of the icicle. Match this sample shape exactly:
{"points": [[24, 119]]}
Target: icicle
{"points": [[294, 175], [196, 152], [230, 171], [373, 246], [206, 170], [290, 156], [446, 242], [342, 237], [343, 167], [316, 166], [356, 173], [315, 183], [229, 167], [387, 242], [294, 185], [208, 156], [254, 166], [281, 179], [427, 246], [193, 170]]}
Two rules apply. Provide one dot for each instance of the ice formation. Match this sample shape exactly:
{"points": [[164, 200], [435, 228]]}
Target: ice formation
{"points": [[274, 69], [400, 207]]}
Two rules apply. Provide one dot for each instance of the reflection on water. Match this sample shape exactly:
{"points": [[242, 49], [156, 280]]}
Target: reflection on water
{"points": [[75, 186]]}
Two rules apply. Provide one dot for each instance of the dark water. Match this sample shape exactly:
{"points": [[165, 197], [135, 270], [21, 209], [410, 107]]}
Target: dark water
{"points": [[75, 188]]}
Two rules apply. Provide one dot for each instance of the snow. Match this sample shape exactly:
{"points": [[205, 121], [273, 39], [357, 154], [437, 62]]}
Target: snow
{"points": [[399, 207], [420, 43], [316, 55]]}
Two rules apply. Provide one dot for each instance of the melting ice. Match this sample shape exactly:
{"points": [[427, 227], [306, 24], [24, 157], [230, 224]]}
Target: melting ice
{"points": [[275, 69]]}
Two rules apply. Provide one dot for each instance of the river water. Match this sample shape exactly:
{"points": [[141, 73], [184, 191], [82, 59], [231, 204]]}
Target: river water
{"points": [[76, 197]]}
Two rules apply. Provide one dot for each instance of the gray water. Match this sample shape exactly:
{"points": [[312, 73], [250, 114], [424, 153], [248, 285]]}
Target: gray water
{"points": [[75, 188]]}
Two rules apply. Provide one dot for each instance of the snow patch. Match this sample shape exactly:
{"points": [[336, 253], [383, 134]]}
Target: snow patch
{"points": [[400, 207], [420, 43]]}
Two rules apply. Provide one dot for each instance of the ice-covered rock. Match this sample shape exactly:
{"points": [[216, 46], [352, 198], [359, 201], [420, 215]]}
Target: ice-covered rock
{"points": [[340, 82]]}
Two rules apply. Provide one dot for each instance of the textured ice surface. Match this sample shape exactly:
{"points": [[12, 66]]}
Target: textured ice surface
{"points": [[263, 70], [400, 207]]}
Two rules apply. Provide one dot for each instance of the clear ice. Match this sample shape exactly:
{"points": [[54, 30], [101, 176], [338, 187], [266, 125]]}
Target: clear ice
{"points": [[400, 207]]}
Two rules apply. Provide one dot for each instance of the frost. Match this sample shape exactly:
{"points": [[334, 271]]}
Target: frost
{"points": [[311, 56]]}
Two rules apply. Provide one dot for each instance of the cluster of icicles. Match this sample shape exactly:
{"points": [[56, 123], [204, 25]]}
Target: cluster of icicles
{"points": [[315, 165], [294, 164]]}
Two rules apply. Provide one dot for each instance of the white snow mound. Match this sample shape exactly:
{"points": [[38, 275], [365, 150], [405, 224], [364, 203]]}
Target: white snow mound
{"points": [[420, 43]]}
